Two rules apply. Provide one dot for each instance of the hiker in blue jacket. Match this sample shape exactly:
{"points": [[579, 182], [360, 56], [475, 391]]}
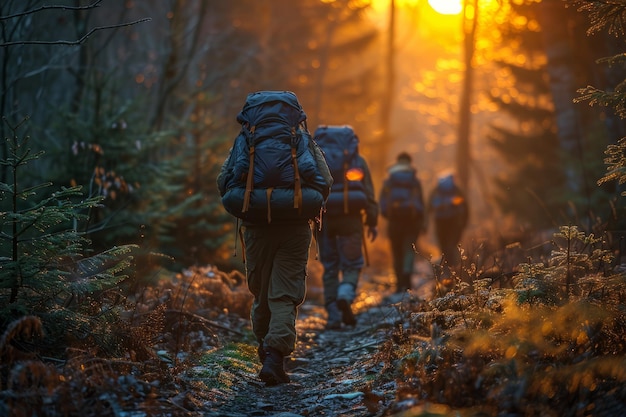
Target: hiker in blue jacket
{"points": [[350, 205], [402, 204]]}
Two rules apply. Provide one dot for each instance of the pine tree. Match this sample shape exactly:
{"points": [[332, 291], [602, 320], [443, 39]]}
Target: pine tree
{"points": [[531, 186], [109, 148], [185, 215], [47, 268], [611, 17]]}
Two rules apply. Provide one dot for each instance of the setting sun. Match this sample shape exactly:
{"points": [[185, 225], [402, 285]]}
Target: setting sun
{"points": [[446, 6]]}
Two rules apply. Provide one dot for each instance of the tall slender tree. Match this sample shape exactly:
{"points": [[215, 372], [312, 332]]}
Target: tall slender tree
{"points": [[463, 155]]}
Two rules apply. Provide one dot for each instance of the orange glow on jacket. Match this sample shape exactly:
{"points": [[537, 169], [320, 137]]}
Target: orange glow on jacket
{"points": [[354, 174]]}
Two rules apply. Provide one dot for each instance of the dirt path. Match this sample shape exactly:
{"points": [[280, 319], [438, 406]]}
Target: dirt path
{"points": [[331, 371]]}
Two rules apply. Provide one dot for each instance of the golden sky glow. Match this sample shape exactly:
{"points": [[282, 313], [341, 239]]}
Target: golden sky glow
{"points": [[421, 15], [446, 6]]}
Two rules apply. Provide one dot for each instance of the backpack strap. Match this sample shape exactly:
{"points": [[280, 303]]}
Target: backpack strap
{"points": [[414, 196], [268, 194], [243, 243], [297, 191], [345, 184], [239, 234], [236, 232], [250, 179]]}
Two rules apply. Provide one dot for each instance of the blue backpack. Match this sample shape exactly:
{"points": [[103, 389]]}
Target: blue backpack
{"points": [[275, 170], [341, 149], [447, 200], [402, 196]]}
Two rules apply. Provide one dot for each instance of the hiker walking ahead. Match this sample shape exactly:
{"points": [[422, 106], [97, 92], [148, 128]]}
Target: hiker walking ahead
{"points": [[275, 180], [402, 204], [448, 206], [351, 203]]}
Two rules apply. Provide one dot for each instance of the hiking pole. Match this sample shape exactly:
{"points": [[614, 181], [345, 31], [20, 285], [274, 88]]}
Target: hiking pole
{"points": [[317, 227], [236, 236], [365, 254], [315, 238]]}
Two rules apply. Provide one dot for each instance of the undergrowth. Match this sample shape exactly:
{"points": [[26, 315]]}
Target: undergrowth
{"points": [[81, 333], [550, 345], [173, 354]]}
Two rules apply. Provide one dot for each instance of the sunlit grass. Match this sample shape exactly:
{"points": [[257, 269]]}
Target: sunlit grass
{"points": [[221, 368]]}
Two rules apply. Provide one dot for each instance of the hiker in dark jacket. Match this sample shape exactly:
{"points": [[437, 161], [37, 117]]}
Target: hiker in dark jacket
{"points": [[276, 235], [402, 204], [350, 205], [449, 209]]}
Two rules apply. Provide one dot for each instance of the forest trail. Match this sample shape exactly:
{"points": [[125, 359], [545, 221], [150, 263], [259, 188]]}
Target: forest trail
{"points": [[331, 371]]}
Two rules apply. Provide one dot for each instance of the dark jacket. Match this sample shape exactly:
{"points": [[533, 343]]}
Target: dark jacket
{"points": [[402, 196], [448, 202]]}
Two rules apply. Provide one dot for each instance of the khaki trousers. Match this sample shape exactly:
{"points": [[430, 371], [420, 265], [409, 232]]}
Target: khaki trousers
{"points": [[276, 260]]}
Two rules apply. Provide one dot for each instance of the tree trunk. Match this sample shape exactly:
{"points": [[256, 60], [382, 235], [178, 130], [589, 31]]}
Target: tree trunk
{"points": [[324, 58], [385, 139], [463, 154]]}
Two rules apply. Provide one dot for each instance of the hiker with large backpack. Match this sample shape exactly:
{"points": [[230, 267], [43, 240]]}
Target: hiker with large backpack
{"points": [[449, 209], [350, 205], [275, 181], [402, 204]]}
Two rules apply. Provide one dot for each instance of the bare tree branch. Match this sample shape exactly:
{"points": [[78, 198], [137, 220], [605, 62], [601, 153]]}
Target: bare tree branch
{"points": [[27, 12], [79, 41]]}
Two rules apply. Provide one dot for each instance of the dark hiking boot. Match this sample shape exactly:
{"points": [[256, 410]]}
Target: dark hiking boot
{"points": [[333, 322], [273, 372], [346, 312]]}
